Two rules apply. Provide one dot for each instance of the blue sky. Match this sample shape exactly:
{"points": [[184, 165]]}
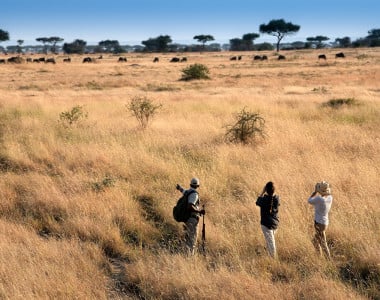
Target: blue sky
{"points": [[132, 21]]}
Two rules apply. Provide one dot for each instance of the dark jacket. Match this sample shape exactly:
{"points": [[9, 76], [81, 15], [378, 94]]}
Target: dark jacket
{"points": [[269, 210]]}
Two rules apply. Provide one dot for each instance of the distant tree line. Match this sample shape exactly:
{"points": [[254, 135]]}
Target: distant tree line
{"points": [[278, 28]]}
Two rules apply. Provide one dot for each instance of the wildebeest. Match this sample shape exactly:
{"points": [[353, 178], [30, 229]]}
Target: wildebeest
{"points": [[87, 60], [50, 60], [183, 59], [233, 58], [322, 56], [264, 57], [36, 60], [156, 59], [281, 57], [2, 61], [122, 59], [340, 54], [15, 60], [239, 57], [175, 59], [68, 59], [100, 57], [257, 57], [41, 59], [29, 59]]}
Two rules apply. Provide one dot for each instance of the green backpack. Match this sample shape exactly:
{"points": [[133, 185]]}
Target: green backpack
{"points": [[180, 210]]}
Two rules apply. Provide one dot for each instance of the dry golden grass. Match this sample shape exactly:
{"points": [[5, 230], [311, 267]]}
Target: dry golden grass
{"points": [[85, 211]]}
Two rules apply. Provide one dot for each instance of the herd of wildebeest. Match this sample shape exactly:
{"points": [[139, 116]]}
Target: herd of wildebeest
{"points": [[88, 59]]}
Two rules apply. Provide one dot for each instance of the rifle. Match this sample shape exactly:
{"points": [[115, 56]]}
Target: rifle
{"points": [[204, 235]]}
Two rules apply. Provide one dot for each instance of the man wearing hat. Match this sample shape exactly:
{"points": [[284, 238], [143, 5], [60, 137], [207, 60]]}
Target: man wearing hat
{"points": [[191, 225], [321, 199]]}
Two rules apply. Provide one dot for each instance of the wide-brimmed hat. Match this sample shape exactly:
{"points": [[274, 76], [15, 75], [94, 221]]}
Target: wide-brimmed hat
{"points": [[323, 188]]}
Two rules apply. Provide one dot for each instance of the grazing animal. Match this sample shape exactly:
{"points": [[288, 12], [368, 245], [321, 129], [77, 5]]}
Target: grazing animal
{"points": [[281, 57], [257, 57], [340, 54], [36, 60], [50, 60], [264, 57], [322, 56], [122, 59], [68, 59], [183, 59], [239, 57], [2, 61], [175, 59], [233, 58], [15, 59], [100, 57], [29, 59], [41, 59], [156, 59], [87, 60]]}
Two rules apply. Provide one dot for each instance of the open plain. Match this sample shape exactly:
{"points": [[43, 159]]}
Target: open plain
{"points": [[86, 208]]}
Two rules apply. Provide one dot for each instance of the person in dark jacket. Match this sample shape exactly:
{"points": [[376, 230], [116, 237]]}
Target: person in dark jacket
{"points": [[269, 203]]}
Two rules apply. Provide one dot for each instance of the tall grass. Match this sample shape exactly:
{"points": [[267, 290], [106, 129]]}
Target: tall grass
{"points": [[86, 209]]}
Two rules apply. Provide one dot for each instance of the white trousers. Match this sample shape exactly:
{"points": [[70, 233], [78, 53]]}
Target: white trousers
{"points": [[269, 238]]}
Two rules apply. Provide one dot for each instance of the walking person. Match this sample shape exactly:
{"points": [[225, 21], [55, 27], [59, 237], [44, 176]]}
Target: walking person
{"points": [[269, 202], [191, 225], [321, 199]]}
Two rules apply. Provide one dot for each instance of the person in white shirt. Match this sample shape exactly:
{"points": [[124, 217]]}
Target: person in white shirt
{"points": [[321, 199]]}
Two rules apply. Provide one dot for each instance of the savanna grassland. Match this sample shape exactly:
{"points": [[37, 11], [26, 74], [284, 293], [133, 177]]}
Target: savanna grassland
{"points": [[86, 208]]}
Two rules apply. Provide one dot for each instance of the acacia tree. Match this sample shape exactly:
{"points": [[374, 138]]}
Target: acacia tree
{"points": [[78, 46], [344, 42], [279, 28], [53, 40], [203, 38], [158, 44], [248, 39], [111, 46], [19, 44], [317, 40], [4, 35]]}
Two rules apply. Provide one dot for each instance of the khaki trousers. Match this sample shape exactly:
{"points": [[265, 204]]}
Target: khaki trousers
{"points": [[319, 241], [191, 233]]}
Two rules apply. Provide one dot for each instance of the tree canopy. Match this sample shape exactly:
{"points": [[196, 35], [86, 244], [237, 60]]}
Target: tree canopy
{"points": [[279, 28], [78, 47], [158, 44], [111, 46], [4, 35], [203, 38], [318, 40]]}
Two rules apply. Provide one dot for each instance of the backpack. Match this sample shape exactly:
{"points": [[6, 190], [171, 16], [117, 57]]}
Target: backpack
{"points": [[180, 211]]}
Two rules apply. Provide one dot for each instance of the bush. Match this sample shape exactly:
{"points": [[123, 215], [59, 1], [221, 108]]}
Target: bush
{"points": [[72, 116], [143, 109], [195, 71], [247, 128], [337, 103]]}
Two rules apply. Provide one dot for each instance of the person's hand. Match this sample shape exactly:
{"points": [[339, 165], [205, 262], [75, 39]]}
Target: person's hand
{"points": [[178, 187], [202, 212]]}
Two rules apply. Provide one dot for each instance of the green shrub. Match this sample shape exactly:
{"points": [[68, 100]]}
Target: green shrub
{"points": [[143, 109], [337, 103], [73, 116], [195, 71], [247, 127]]}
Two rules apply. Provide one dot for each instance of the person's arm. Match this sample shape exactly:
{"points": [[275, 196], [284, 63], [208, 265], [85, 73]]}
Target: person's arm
{"points": [[311, 198], [180, 188], [193, 198], [259, 199]]}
